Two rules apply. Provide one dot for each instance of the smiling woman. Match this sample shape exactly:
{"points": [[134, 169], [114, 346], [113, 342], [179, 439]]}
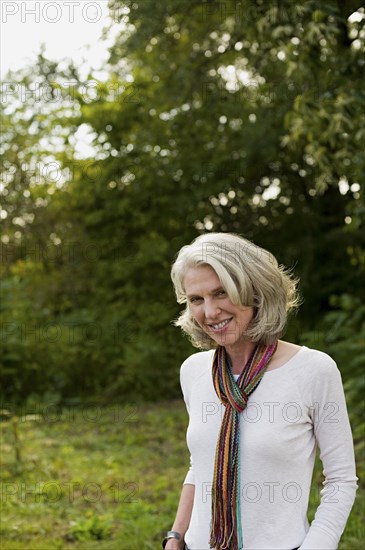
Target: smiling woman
{"points": [[237, 298], [250, 276], [212, 309]]}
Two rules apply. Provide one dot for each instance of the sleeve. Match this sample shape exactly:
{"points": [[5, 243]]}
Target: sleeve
{"points": [[334, 438], [190, 476]]}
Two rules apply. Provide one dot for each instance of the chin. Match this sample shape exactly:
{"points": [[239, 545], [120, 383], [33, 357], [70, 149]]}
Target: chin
{"points": [[224, 340]]}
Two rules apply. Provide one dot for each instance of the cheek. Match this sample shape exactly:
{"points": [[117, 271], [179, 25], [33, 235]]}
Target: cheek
{"points": [[247, 318], [228, 306], [195, 313]]}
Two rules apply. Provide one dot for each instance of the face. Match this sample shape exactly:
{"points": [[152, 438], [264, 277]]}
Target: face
{"points": [[213, 310]]}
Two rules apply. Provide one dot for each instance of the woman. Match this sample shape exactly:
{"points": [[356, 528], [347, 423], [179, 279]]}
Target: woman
{"points": [[258, 406]]}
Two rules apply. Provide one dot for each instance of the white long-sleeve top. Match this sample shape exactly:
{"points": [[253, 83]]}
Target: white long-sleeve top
{"points": [[294, 408]]}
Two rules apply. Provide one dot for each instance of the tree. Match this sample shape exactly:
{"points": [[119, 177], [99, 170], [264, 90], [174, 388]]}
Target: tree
{"points": [[223, 116]]}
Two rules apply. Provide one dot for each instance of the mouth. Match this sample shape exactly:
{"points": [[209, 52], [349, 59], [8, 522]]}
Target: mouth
{"points": [[220, 327]]}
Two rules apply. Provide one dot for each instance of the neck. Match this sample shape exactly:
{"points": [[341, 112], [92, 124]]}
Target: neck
{"points": [[239, 355]]}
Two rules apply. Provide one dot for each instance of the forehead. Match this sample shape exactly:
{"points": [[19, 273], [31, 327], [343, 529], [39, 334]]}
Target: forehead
{"points": [[200, 278]]}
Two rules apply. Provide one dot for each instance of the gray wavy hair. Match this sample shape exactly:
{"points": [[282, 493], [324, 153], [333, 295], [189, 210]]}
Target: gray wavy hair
{"points": [[250, 275]]}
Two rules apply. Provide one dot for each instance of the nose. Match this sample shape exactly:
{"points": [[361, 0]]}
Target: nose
{"points": [[211, 310]]}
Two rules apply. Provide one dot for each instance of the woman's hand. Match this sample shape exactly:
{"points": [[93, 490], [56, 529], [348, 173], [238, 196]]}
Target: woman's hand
{"points": [[174, 544]]}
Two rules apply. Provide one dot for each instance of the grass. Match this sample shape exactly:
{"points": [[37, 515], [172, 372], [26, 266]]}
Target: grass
{"points": [[104, 478]]}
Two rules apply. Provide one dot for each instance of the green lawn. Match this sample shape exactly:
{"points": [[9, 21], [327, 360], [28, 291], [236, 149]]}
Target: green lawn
{"points": [[105, 478]]}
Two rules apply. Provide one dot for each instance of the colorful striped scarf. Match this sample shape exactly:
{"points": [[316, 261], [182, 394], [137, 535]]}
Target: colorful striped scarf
{"points": [[226, 531]]}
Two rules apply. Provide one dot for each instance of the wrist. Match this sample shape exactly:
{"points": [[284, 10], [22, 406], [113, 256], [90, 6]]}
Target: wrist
{"points": [[172, 537]]}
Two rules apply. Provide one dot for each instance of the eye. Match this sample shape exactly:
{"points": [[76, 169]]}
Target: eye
{"points": [[221, 293], [194, 299]]}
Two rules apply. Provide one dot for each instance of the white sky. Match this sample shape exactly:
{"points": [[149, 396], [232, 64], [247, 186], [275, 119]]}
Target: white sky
{"points": [[66, 27]]}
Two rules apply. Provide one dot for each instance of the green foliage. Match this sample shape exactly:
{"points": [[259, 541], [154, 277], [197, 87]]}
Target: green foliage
{"points": [[247, 119], [107, 478], [91, 528], [229, 116]]}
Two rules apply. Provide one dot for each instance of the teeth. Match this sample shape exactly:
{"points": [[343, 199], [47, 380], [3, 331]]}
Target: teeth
{"points": [[221, 325]]}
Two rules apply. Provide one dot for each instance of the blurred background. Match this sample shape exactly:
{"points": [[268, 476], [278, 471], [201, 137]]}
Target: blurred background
{"points": [[183, 117]]}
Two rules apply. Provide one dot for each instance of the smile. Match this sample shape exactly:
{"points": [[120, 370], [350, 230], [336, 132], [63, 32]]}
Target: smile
{"points": [[221, 325]]}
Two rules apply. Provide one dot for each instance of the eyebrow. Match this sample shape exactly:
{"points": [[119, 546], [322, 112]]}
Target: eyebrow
{"points": [[211, 292]]}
